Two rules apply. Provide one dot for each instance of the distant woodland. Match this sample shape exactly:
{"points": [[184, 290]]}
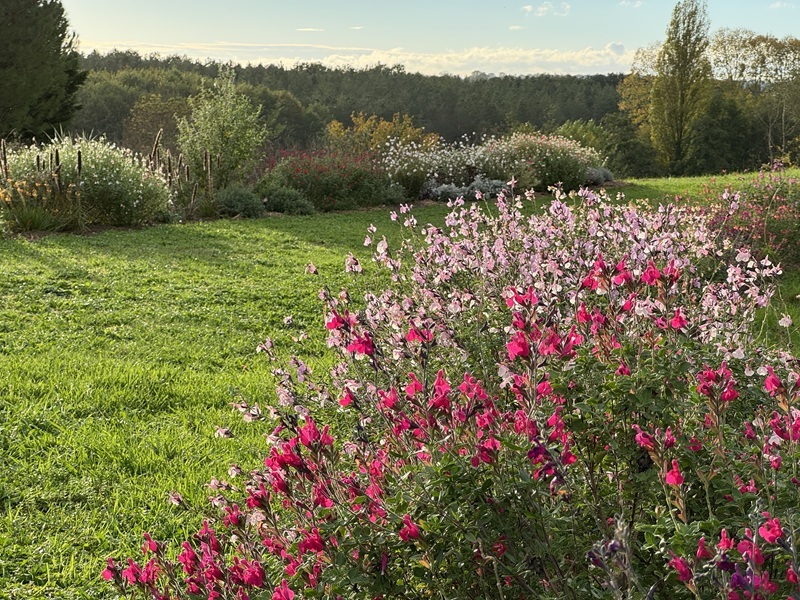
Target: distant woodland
{"points": [[124, 92]]}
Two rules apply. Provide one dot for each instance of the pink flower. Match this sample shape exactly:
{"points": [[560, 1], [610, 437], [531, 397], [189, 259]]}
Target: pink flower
{"points": [[132, 573], [695, 445], [111, 571], [771, 530], [678, 321], [622, 275], [188, 558], [729, 394], [725, 543], [674, 476], [362, 345], [308, 433], [419, 335], [253, 574], [622, 369], [347, 399], [772, 384], [682, 567], [409, 530], [669, 439], [702, 552], [791, 576], [644, 439], [651, 275], [518, 346], [749, 550], [283, 592], [312, 542]]}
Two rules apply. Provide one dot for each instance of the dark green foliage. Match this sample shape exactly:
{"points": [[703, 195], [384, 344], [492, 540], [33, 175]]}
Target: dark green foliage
{"points": [[725, 138], [237, 201], [333, 181], [284, 199], [629, 153], [39, 68]]}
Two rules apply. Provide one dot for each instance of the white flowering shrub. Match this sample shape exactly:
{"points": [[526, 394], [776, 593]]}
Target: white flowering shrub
{"points": [[92, 180], [534, 160], [541, 161]]}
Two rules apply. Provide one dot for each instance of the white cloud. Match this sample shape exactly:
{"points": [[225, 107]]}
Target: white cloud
{"points": [[547, 8], [309, 29], [632, 3], [356, 27], [779, 5], [515, 28]]}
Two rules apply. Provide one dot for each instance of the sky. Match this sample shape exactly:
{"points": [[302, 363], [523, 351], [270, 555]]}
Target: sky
{"points": [[427, 36]]}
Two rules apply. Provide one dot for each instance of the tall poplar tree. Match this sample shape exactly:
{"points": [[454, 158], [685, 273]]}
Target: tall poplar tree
{"points": [[39, 72], [681, 90]]}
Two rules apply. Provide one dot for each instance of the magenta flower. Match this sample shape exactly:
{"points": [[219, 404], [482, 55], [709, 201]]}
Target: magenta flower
{"points": [[772, 384], [682, 567], [651, 275], [132, 573], [725, 543], [308, 433], [678, 321], [283, 592], [518, 346], [644, 439], [409, 530], [674, 475], [362, 345], [791, 576], [111, 571], [771, 530], [702, 552]]}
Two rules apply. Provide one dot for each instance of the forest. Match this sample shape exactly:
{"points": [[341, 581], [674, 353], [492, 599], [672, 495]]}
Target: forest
{"points": [[747, 111]]}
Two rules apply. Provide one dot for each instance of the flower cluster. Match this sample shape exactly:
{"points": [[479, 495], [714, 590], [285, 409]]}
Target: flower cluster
{"points": [[527, 391], [104, 184]]}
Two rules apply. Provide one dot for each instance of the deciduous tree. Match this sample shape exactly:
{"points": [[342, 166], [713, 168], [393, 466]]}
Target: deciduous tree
{"points": [[681, 89]]}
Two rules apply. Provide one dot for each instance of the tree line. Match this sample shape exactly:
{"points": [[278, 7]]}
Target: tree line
{"points": [[696, 103], [449, 105]]}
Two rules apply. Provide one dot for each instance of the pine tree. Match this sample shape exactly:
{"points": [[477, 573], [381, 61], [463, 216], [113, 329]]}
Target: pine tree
{"points": [[39, 71]]}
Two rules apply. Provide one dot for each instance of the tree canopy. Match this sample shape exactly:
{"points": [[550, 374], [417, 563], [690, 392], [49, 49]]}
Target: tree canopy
{"points": [[681, 89], [39, 68]]}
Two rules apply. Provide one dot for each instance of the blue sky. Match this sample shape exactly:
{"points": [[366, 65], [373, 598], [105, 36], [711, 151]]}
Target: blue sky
{"points": [[431, 37]]}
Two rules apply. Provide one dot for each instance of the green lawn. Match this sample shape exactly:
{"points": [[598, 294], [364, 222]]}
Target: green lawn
{"points": [[120, 353]]}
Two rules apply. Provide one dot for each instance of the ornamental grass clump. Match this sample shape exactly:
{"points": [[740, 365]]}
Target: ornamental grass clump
{"points": [[565, 405], [81, 181]]}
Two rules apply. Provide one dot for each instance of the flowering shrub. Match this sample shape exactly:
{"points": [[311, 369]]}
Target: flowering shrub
{"points": [[765, 215], [536, 161], [373, 134], [332, 180], [567, 405], [84, 181], [541, 161]]}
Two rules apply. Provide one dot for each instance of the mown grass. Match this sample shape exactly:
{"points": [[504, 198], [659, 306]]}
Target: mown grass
{"points": [[120, 353], [667, 188]]}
